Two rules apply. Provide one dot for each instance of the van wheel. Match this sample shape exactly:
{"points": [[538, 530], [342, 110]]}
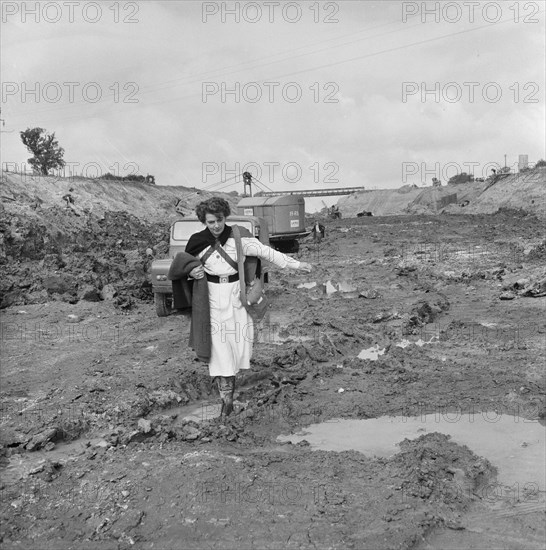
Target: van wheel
{"points": [[162, 304]]}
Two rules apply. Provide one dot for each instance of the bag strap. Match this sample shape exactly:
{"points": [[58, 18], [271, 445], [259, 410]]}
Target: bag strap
{"points": [[226, 256], [241, 264], [207, 254], [217, 247]]}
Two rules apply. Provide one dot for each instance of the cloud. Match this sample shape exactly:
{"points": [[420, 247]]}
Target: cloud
{"points": [[362, 61]]}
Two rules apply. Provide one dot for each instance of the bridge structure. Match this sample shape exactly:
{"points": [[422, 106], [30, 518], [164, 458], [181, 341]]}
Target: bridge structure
{"points": [[313, 192]]}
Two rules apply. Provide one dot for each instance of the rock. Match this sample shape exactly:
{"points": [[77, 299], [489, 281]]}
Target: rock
{"points": [[132, 437], [161, 248], [189, 433], [370, 294], [55, 284], [144, 425], [89, 293], [108, 292], [536, 289], [11, 298], [521, 283], [507, 296], [41, 439], [129, 520], [13, 438]]}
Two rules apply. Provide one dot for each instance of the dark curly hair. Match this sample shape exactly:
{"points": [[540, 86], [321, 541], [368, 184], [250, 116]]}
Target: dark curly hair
{"points": [[215, 206]]}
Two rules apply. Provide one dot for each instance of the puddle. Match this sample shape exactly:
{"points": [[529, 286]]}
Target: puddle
{"points": [[514, 445], [371, 353], [198, 412]]}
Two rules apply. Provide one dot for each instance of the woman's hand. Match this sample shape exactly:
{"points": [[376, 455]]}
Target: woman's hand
{"points": [[304, 266], [197, 272]]}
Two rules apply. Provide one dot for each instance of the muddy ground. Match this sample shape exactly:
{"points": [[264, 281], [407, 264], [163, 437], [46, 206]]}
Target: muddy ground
{"points": [[98, 451]]}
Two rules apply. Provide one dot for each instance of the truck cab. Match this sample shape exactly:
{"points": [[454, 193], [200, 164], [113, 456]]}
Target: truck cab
{"points": [[180, 233]]}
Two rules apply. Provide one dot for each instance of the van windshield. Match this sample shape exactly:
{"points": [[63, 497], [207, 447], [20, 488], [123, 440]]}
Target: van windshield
{"points": [[184, 229]]}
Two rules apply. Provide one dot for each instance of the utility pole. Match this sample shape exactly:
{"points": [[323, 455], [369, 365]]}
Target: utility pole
{"points": [[247, 181], [3, 125], [505, 161]]}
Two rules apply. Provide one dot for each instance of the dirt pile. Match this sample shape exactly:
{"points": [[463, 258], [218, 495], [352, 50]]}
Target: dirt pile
{"points": [[381, 202], [151, 203], [100, 248], [523, 191], [54, 256]]}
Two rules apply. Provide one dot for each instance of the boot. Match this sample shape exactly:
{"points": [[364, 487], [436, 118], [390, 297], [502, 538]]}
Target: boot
{"points": [[226, 388]]}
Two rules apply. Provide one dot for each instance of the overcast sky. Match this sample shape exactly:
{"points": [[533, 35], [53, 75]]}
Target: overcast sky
{"points": [[342, 89]]}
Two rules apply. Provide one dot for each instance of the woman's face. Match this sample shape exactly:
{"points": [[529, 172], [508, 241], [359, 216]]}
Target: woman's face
{"points": [[215, 223]]}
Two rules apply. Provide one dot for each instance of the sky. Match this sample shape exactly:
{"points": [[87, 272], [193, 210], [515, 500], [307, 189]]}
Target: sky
{"points": [[303, 94]]}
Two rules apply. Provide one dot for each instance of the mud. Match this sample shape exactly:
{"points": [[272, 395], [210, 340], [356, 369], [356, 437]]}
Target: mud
{"points": [[109, 429]]}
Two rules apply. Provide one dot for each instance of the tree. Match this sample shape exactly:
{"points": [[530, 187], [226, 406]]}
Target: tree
{"points": [[463, 177], [48, 155]]}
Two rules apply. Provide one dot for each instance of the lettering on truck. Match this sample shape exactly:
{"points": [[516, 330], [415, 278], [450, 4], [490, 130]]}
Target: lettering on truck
{"points": [[296, 222]]}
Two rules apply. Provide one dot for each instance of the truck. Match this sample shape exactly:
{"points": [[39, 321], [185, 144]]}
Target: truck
{"points": [[180, 233], [285, 217]]}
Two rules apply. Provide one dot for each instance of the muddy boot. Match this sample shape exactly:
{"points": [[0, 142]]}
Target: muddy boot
{"points": [[226, 387]]}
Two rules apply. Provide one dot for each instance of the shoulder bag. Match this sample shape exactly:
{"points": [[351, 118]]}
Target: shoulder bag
{"points": [[253, 295]]}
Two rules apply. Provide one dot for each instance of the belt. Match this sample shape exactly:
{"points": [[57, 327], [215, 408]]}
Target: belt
{"points": [[222, 278]]}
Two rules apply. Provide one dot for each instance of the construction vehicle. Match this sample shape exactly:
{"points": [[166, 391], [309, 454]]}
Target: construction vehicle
{"points": [[180, 233], [285, 217], [333, 212]]}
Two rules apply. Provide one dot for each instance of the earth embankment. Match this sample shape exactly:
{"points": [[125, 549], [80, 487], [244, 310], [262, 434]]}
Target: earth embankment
{"points": [[522, 191]]}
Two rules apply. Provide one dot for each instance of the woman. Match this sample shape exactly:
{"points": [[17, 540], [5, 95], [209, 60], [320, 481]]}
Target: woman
{"points": [[232, 329]]}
